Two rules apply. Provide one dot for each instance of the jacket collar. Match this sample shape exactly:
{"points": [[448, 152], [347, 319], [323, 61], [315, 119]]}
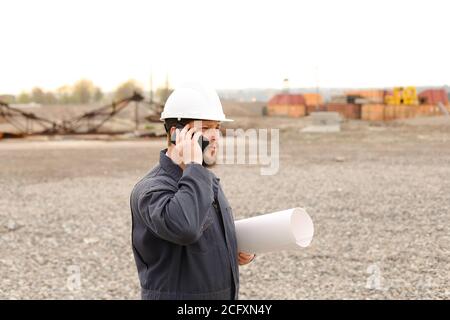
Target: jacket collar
{"points": [[169, 166], [175, 170]]}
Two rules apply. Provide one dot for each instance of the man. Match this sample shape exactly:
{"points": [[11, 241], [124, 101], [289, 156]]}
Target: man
{"points": [[183, 234]]}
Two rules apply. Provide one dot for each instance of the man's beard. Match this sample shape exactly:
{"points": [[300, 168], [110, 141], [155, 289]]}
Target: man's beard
{"points": [[209, 160]]}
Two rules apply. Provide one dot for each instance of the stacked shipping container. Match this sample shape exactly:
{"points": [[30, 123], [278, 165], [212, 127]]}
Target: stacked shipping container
{"points": [[434, 96], [381, 112], [285, 104], [313, 99], [297, 105], [348, 111]]}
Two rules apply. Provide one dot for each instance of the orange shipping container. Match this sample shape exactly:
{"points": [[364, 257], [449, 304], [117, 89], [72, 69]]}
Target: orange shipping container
{"points": [[296, 111], [372, 112], [313, 99], [285, 104], [411, 112], [400, 111], [392, 112], [320, 108], [369, 94], [430, 110], [287, 99], [347, 110], [286, 110], [389, 113], [277, 110], [434, 96]]}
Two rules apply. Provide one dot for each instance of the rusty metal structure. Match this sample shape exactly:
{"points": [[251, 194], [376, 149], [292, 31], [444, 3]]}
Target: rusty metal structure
{"points": [[86, 123]]}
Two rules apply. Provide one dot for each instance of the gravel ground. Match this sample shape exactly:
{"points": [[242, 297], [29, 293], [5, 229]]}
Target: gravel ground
{"points": [[379, 197]]}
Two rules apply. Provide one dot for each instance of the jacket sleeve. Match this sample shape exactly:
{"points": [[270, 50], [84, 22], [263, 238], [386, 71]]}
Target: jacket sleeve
{"points": [[179, 216]]}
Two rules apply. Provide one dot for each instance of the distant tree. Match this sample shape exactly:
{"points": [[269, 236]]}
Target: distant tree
{"points": [[83, 91], [23, 97], [49, 98], [163, 93], [127, 89], [98, 94], [64, 94], [8, 98], [38, 95]]}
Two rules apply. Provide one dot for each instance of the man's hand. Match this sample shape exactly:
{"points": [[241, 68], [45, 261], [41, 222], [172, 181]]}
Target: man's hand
{"points": [[187, 145], [245, 258]]}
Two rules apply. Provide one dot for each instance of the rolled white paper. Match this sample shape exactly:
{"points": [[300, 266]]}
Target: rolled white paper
{"points": [[281, 230]]}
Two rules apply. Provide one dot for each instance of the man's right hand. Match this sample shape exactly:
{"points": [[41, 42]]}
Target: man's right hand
{"points": [[187, 145]]}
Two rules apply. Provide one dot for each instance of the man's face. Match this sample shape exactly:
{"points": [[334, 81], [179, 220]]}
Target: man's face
{"points": [[210, 130]]}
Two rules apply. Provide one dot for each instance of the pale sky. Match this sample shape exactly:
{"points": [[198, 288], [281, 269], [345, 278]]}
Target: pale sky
{"points": [[229, 44]]}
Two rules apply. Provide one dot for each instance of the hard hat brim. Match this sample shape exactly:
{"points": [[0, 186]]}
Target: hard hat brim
{"points": [[220, 120]]}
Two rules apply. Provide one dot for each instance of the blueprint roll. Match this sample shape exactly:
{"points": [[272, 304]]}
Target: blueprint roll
{"points": [[281, 230]]}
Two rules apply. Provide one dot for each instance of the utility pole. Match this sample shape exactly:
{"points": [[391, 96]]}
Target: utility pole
{"points": [[151, 87], [286, 85], [166, 94], [317, 88], [136, 115]]}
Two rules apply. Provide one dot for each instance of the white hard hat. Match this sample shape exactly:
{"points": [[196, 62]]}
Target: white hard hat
{"points": [[194, 101]]}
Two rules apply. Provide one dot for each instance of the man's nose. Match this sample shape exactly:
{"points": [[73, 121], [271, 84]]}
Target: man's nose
{"points": [[214, 135]]}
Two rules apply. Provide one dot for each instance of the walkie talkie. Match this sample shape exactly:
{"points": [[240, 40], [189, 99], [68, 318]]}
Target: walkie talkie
{"points": [[202, 141]]}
